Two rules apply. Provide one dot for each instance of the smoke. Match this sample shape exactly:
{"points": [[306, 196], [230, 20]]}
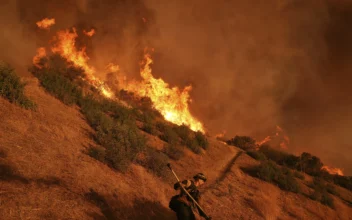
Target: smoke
{"points": [[252, 64]]}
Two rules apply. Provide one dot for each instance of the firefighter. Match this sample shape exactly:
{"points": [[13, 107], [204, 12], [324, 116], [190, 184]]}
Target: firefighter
{"points": [[182, 204]]}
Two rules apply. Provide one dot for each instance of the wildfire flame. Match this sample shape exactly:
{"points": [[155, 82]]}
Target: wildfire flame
{"points": [[267, 139], [41, 52], [65, 46], [284, 144], [333, 171], [89, 33], [172, 103], [46, 23]]}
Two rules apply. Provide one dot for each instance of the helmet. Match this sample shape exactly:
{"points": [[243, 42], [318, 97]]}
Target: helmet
{"points": [[200, 176]]}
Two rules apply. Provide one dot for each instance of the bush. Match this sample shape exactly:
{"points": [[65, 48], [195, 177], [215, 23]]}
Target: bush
{"points": [[310, 164], [59, 86], [279, 157], [343, 181], [12, 88], [192, 144], [243, 142], [256, 155], [331, 189], [183, 132], [156, 162], [122, 143], [98, 153], [149, 128], [201, 140], [299, 175], [169, 135], [321, 192], [327, 200], [270, 172], [173, 151]]}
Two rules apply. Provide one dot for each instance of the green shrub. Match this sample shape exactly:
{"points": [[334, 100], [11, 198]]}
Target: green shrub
{"points": [[256, 155], [59, 86], [243, 142], [270, 172], [12, 88], [320, 192], [183, 132], [169, 135], [122, 143], [331, 189], [201, 140], [192, 144], [327, 200], [173, 151], [98, 153], [279, 157], [299, 175], [343, 181], [148, 124], [149, 128], [156, 162]]}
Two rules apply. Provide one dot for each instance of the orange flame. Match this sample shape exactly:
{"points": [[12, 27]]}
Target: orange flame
{"points": [[46, 23], [267, 139], [333, 171], [65, 46], [170, 102], [41, 52], [284, 144], [89, 33]]}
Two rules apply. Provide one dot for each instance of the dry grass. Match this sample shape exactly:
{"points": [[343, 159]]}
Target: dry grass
{"points": [[47, 150]]}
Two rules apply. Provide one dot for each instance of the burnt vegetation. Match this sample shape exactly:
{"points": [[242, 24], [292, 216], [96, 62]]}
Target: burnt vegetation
{"points": [[12, 89], [118, 126], [276, 167]]}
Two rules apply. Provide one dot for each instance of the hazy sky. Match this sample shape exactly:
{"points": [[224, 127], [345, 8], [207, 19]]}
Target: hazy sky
{"points": [[252, 64]]}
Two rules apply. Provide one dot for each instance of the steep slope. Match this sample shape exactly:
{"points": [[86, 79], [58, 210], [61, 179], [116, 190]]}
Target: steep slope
{"points": [[46, 174]]}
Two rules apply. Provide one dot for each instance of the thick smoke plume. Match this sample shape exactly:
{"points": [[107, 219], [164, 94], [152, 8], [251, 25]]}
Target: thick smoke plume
{"points": [[252, 64]]}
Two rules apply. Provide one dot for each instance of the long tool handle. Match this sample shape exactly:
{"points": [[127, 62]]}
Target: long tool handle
{"points": [[169, 165]]}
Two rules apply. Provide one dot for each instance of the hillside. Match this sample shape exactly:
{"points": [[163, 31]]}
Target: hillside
{"points": [[46, 173]]}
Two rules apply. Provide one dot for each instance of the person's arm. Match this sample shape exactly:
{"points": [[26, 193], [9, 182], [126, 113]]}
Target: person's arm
{"points": [[185, 184]]}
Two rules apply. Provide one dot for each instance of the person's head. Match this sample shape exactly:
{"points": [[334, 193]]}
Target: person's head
{"points": [[199, 179]]}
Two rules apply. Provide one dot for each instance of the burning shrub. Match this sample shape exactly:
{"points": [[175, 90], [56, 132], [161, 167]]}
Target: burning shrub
{"points": [[243, 142], [12, 88], [173, 151]]}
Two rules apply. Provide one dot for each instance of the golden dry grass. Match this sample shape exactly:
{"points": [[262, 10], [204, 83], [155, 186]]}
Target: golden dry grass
{"points": [[46, 174]]}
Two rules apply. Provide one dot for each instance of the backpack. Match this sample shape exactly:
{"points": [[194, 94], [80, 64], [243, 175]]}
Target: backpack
{"points": [[174, 203]]}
